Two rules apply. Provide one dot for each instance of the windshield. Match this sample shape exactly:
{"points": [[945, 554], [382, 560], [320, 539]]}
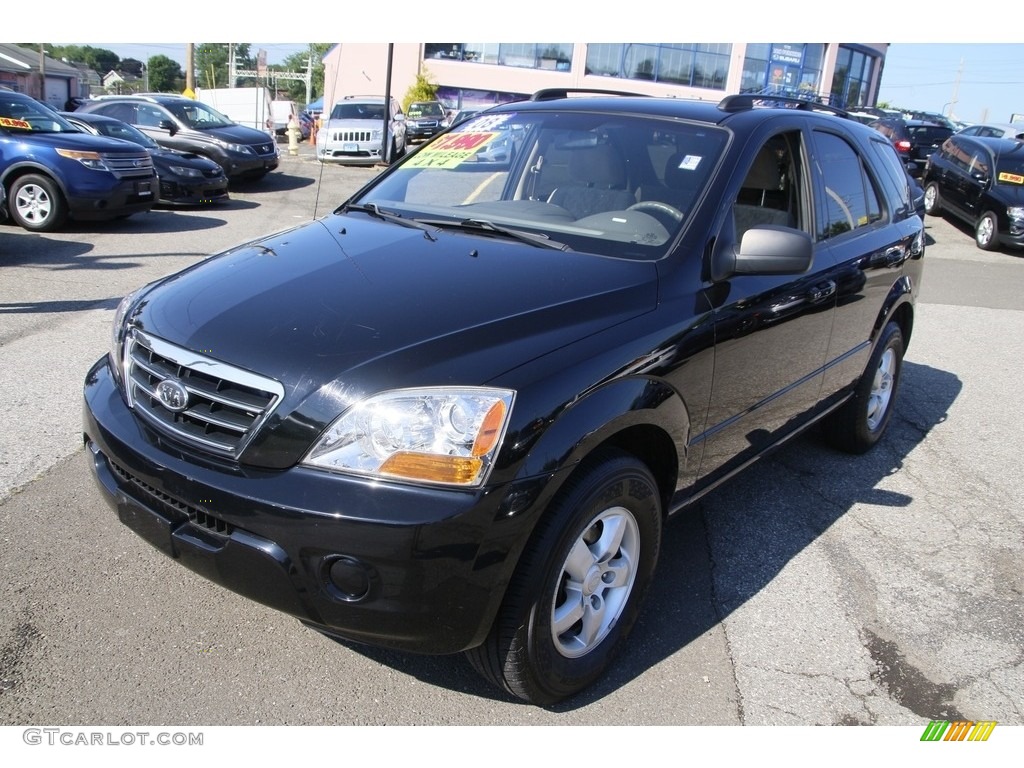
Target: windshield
{"points": [[610, 184], [26, 115], [357, 110], [195, 114], [426, 109], [119, 130]]}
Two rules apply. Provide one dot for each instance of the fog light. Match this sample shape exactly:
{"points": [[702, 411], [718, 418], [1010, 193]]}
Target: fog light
{"points": [[349, 578]]}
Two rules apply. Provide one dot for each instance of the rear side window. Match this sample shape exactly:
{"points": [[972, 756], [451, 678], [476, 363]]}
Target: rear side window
{"points": [[123, 112], [851, 199], [893, 169]]}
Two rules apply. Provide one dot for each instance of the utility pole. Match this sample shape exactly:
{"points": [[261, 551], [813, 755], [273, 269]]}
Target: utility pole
{"points": [[42, 74], [231, 65], [190, 69], [956, 89]]}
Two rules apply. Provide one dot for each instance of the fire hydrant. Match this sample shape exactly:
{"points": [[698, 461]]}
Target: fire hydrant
{"points": [[294, 133]]}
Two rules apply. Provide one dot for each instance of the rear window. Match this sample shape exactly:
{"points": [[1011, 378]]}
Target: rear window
{"points": [[929, 134]]}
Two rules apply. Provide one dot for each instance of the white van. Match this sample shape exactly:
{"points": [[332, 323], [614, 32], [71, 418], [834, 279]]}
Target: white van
{"points": [[250, 107], [282, 112]]}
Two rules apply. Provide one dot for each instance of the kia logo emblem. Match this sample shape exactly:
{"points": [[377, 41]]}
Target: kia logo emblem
{"points": [[172, 395]]}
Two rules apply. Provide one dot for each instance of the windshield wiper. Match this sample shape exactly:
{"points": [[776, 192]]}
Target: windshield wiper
{"points": [[540, 241], [374, 210]]}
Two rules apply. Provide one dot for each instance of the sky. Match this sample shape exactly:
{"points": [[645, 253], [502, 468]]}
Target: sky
{"points": [[980, 78]]}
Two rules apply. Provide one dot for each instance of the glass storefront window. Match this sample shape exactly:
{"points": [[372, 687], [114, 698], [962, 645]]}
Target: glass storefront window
{"points": [[700, 65]]}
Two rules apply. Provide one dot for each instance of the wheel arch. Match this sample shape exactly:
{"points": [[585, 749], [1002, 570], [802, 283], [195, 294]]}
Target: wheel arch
{"points": [[17, 170], [641, 415], [898, 307]]}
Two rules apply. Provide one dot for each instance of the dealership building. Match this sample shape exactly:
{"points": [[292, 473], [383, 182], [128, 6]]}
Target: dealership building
{"points": [[474, 75]]}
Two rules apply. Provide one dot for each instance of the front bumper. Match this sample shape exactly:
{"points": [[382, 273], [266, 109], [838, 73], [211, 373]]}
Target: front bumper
{"points": [[403, 567], [250, 165], [123, 199], [180, 191], [351, 153]]}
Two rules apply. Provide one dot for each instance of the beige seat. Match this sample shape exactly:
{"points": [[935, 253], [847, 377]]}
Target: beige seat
{"points": [[597, 182]]}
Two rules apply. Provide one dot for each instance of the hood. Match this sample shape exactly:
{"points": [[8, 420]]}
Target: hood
{"points": [[164, 157], [86, 142], [237, 134], [348, 305]]}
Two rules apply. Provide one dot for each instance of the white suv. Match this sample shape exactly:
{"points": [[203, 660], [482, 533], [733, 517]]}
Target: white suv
{"points": [[354, 132]]}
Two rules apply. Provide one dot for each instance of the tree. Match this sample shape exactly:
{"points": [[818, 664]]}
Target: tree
{"points": [[131, 67], [421, 90], [99, 60], [165, 75], [297, 63]]}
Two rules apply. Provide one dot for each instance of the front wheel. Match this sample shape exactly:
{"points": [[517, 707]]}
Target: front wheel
{"points": [[862, 420], [580, 583], [932, 200], [37, 204], [986, 232]]}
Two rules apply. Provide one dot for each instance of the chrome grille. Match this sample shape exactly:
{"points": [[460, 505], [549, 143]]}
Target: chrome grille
{"points": [[225, 405], [265, 149], [130, 165], [351, 136]]}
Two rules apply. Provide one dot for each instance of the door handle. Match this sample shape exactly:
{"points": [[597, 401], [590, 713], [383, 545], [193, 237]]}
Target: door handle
{"points": [[822, 291]]}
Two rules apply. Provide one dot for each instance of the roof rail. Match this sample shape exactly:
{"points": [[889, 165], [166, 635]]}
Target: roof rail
{"points": [[742, 101], [547, 94]]}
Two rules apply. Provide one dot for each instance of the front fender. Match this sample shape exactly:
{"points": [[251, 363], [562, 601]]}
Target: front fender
{"points": [[627, 406]]}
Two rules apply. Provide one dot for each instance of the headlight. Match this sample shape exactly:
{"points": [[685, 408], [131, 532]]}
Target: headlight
{"points": [[118, 328], [241, 149], [1015, 212], [442, 435], [181, 170], [92, 160]]}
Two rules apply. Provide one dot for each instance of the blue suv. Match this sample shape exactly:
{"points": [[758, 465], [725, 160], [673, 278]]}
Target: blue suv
{"points": [[50, 171]]}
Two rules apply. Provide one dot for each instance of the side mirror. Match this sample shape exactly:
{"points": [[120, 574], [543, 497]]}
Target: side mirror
{"points": [[766, 249], [169, 126]]}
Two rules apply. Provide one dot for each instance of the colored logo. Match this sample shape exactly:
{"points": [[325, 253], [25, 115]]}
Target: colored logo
{"points": [[944, 730]]}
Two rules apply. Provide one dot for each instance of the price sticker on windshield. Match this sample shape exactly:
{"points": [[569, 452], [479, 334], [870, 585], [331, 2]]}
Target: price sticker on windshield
{"points": [[1011, 178], [10, 122], [450, 151]]}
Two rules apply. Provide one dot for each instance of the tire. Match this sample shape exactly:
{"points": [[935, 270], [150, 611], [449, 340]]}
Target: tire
{"points": [[986, 232], [862, 420], [37, 204], [580, 583], [932, 199], [395, 155]]}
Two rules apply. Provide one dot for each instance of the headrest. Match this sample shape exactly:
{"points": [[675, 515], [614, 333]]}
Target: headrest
{"points": [[599, 166], [767, 172]]}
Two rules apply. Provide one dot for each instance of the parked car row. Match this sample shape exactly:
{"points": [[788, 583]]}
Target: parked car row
{"points": [[116, 156], [187, 125]]}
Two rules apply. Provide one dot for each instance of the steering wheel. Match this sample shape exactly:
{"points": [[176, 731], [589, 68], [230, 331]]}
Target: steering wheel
{"points": [[656, 206]]}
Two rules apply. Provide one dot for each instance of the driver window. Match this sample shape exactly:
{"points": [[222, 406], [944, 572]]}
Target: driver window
{"points": [[148, 116], [771, 192]]}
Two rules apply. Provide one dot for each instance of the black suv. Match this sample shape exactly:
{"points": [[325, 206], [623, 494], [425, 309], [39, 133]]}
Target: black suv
{"points": [[980, 180], [455, 414], [187, 125], [914, 140]]}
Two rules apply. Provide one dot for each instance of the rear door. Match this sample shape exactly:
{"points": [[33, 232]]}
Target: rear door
{"points": [[865, 217]]}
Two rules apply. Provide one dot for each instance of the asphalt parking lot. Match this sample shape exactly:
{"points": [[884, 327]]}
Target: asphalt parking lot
{"points": [[816, 589]]}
